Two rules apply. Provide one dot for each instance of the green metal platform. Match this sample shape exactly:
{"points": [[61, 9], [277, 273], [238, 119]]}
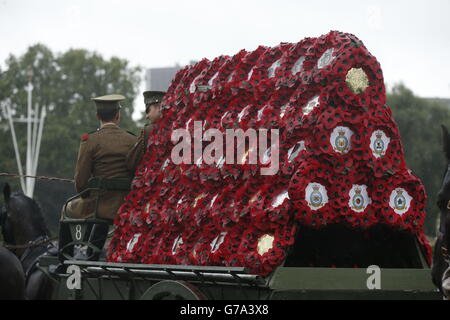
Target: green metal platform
{"points": [[110, 281]]}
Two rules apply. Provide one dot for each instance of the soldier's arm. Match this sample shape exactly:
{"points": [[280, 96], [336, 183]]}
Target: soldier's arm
{"points": [[134, 156], [83, 169]]}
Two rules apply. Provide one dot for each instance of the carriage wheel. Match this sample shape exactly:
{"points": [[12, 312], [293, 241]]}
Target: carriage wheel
{"points": [[173, 290]]}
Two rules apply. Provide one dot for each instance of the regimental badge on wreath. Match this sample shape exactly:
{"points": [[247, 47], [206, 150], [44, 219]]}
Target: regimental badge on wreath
{"points": [[400, 200], [316, 195], [379, 143], [340, 139], [359, 198]]}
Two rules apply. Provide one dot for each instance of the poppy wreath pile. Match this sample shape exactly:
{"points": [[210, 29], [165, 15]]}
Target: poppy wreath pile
{"points": [[340, 159]]}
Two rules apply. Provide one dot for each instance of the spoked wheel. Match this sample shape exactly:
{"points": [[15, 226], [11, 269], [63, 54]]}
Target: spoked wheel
{"points": [[173, 290]]}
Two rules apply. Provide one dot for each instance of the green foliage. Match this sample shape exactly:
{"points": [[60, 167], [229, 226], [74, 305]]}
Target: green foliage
{"points": [[419, 123], [65, 84]]}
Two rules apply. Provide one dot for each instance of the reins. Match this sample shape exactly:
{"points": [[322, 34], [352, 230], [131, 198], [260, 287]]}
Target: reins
{"points": [[4, 174], [31, 244]]}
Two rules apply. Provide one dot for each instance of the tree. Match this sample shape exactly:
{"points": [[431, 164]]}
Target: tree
{"points": [[65, 84], [419, 123]]}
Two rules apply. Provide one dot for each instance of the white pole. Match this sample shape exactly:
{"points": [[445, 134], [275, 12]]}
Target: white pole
{"points": [[38, 147], [35, 131], [29, 119], [16, 149]]}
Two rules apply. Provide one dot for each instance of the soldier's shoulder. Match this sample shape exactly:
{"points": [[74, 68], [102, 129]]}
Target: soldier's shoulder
{"points": [[87, 136], [128, 135]]}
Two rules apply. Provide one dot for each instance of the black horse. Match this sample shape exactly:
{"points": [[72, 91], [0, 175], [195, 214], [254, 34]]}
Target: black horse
{"points": [[12, 278], [23, 224], [441, 277]]}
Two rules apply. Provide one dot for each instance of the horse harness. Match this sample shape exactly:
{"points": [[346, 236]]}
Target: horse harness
{"points": [[37, 248], [30, 257]]}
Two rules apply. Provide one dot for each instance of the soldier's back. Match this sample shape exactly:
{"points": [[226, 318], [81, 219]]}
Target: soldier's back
{"points": [[107, 149], [110, 146]]}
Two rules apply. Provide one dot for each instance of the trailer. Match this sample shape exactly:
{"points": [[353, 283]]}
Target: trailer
{"points": [[100, 280], [225, 230]]}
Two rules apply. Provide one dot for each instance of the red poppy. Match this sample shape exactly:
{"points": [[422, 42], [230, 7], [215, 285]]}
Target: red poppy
{"points": [[301, 90]]}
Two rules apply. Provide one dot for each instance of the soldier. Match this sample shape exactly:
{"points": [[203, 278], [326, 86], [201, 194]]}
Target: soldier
{"points": [[152, 100], [102, 154]]}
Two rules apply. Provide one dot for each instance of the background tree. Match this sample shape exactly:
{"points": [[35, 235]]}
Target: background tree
{"points": [[65, 84]]}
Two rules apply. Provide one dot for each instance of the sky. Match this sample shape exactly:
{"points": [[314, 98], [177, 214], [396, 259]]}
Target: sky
{"points": [[411, 39]]}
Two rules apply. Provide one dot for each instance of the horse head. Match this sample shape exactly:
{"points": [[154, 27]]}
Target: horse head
{"points": [[23, 224], [21, 219], [441, 271]]}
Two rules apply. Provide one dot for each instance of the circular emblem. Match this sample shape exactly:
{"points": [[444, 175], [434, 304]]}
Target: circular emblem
{"points": [[325, 59], [358, 202], [340, 139], [265, 243], [359, 198], [400, 200], [316, 195], [341, 142], [357, 80], [379, 143], [298, 66]]}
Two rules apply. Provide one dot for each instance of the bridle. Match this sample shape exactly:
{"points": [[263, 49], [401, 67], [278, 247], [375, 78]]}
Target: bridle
{"points": [[39, 241]]}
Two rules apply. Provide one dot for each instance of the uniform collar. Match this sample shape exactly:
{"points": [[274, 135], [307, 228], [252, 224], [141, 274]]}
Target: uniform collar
{"points": [[108, 124]]}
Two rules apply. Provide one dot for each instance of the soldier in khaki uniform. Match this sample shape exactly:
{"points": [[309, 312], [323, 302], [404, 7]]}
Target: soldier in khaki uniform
{"points": [[102, 154], [152, 100]]}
